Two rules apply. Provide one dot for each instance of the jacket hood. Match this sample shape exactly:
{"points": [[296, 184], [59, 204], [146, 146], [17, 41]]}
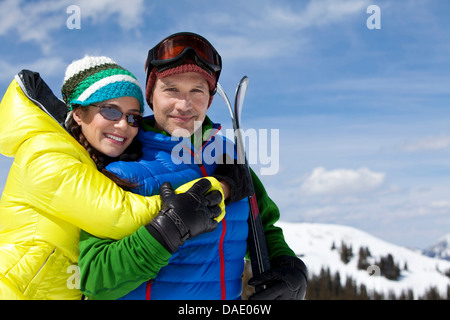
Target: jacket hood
{"points": [[27, 109]]}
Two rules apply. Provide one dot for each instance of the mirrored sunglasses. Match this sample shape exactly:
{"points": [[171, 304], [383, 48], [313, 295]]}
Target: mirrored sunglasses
{"points": [[111, 113]]}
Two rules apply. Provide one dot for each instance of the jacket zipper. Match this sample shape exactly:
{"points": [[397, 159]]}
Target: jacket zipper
{"points": [[148, 288], [40, 268], [224, 227]]}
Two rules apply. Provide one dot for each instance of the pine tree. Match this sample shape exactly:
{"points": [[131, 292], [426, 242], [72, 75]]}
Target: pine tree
{"points": [[349, 290], [447, 273], [346, 253], [327, 287], [388, 268], [391, 295], [337, 290], [363, 292], [432, 294], [364, 253]]}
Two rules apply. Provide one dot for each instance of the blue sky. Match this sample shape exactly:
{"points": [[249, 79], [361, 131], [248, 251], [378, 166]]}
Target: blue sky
{"points": [[362, 114]]}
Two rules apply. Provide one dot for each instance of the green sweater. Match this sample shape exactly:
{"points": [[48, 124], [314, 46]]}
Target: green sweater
{"points": [[110, 269]]}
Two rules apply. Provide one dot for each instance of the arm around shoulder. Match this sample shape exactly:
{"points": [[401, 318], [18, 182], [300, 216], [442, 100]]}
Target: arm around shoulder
{"points": [[111, 269], [59, 178]]}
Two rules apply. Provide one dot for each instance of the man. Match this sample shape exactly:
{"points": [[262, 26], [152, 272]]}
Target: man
{"points": [[198, 262]]}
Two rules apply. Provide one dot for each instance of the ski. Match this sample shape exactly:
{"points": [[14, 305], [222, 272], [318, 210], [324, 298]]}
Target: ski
{"points": [[259, 254]]}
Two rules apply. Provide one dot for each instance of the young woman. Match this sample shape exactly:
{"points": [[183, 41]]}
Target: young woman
{"points": [[57, 184]]}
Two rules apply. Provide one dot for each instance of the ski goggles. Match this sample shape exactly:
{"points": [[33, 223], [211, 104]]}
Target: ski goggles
{"points": [[172, 51], [111, 113]]}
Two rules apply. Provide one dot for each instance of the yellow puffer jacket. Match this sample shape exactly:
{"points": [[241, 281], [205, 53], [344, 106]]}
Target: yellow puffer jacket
{"points": [[53, 190]]}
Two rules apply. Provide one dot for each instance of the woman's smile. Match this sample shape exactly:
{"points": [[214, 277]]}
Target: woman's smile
{"points": [[116, 138]]}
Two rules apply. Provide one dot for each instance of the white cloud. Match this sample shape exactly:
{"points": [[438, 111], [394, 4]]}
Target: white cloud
{"points": [[266, 29], [36, 21], [129, 13], [444, 204], [329, 11], [428, 143], [316, 13], [341, 181], [31, 21]]}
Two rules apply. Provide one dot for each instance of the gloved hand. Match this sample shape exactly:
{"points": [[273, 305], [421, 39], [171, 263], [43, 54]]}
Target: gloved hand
{"points": [[234, 174], [185, 215], [286, 280]]}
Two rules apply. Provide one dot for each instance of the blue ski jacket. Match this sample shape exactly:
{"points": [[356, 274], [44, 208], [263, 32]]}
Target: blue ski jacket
{"points": [[209, 266]]}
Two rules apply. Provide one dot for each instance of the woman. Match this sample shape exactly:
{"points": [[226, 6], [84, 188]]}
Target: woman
{"points": [[54, 187]]}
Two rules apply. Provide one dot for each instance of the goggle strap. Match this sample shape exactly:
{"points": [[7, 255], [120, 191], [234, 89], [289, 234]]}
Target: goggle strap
{"points": [[163, 65], [173, 62]]}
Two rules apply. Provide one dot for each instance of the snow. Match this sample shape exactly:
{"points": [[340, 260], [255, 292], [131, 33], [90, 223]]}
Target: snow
{"points": [[441, 249], [313, 242]]}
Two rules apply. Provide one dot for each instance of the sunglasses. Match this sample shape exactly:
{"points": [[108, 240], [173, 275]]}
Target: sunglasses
{"points": [[171, 52], [111, 113]]}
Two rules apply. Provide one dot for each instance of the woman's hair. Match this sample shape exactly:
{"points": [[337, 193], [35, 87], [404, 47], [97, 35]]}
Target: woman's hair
{"points": [[132, 153]]}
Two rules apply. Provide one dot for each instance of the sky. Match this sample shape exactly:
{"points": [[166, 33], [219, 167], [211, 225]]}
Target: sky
{"points": [[347, 109]]}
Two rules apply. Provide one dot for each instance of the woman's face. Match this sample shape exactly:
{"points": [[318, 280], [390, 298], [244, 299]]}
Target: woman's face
{"points": [[108, 137]]}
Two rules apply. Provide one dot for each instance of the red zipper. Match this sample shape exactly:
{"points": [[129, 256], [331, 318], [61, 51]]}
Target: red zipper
{"points": [[148, 290], [222, 262]]}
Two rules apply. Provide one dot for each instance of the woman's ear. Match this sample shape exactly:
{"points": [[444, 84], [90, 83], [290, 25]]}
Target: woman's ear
{"points": [[78, 116]]}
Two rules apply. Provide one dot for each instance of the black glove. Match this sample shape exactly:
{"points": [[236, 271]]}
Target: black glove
{"points": [[287, 280], [234, 174], [185, 215]]}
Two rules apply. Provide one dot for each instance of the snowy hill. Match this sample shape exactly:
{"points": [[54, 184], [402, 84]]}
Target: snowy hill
{"points": [[313, 242], [439, 250]]}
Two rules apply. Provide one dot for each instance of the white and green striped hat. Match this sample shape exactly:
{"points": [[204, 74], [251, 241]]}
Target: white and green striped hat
{"points": [[95, 79]]}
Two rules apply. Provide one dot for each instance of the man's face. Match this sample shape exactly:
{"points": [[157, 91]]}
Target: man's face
{"points": [[178, 101]]}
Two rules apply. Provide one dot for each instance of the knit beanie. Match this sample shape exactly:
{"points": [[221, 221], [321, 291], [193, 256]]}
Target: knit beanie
{"points": [[95, 79], [187, 66]]}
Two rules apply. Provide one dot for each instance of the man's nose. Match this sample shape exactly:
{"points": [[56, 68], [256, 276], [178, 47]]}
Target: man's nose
{"points": [[183, 103]]}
